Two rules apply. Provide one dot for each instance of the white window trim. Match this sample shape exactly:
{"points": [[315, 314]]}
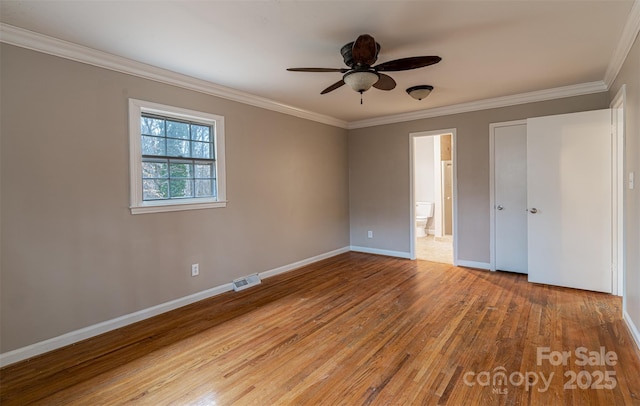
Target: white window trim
{"points": [[138, 205]]}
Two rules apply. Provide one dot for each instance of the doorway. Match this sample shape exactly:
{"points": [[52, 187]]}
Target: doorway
{"points": [[433, 190]]}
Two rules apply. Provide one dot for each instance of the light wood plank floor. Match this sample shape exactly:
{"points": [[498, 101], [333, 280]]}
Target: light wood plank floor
{"points": [[356, 329]]}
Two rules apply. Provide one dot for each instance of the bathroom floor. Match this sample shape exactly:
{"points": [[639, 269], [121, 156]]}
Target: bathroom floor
{"points": [[435, 249]]}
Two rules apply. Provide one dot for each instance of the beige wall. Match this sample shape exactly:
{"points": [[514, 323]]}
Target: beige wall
{"points": [[73, 255], [630, 75], [379, 174]]}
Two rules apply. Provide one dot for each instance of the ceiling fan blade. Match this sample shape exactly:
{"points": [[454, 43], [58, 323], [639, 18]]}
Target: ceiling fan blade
{"points": [[385, 82], [341, 70], [333, 87], [365, 50], [407, 63]]}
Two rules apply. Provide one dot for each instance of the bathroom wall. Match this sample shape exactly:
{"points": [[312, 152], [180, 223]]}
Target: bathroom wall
{"points": [[424, 161], [424, 172]]}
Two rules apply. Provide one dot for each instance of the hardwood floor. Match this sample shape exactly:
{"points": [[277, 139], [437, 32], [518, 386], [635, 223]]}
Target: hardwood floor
{"points": [[356, 329]]}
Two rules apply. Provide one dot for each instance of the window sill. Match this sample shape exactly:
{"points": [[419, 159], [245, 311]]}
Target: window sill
{"points": [[165, 206]]}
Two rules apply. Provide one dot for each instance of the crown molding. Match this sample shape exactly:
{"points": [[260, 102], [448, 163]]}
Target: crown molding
{"points": [[629, 35], [497, 102], [53, 46]]}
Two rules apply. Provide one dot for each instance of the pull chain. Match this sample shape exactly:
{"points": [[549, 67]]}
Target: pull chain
{"points": [[360, 97]]}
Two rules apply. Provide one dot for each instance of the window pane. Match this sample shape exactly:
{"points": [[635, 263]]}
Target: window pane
{"points": [[154, 170], [176, 129], [177, 148], [154, 189], [152, 146], [200, 133], [151, 126], [204, 170], [181, 188], [204, 187], [181, 170], [201, 150]]}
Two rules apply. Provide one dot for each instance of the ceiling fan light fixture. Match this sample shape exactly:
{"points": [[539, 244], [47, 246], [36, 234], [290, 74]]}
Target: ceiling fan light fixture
{"points": [[362, 80], [419, 92]]}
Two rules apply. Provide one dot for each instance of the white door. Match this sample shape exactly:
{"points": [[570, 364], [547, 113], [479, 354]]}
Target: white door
{"points": [[510, 196], [447, 197], [569, 200]]}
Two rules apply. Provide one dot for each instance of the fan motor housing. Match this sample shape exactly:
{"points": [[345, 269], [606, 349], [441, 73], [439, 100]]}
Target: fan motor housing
{"points": [[347, 53]]}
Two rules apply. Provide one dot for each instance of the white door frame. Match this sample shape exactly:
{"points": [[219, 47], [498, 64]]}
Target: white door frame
{"points": [[437, 178], [412, 199], [618, 188], [492, 187]]}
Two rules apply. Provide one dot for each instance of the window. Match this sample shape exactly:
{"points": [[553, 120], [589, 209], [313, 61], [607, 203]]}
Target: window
{"points": [[176, 158]]}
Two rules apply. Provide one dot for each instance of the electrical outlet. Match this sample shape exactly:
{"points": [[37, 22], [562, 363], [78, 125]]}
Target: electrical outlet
{"points": [[369, 234], [195, 269]]}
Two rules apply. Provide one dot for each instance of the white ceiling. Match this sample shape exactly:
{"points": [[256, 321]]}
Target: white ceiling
{"points": [[489, 49]]}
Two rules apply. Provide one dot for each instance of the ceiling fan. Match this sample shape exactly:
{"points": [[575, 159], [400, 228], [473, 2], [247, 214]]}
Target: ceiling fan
{"points": [[359, 56]]}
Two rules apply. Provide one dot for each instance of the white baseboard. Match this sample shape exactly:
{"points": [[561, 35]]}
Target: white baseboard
{"points": [[377, 251], [51, 344], [473, 264], [295, 265], [633, 329], [105, 326]]}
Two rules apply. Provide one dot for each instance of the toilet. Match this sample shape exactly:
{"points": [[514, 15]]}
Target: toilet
{"points": [[424, 211]]}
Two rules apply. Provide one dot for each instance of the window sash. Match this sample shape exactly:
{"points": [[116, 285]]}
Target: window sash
{"points": [[164, 137], [193, 179]]}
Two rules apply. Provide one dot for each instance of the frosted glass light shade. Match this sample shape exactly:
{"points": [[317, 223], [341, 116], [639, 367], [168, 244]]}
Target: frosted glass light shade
{"points": [[361, 81], [419, 92]]}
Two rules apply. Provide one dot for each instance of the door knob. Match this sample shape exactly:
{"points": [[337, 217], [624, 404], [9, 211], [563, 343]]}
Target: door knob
{"points": [[499, 207], [533, 211]]}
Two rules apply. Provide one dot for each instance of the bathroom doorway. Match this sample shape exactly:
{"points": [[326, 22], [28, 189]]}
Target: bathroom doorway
{"points": [[433, 196]]}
